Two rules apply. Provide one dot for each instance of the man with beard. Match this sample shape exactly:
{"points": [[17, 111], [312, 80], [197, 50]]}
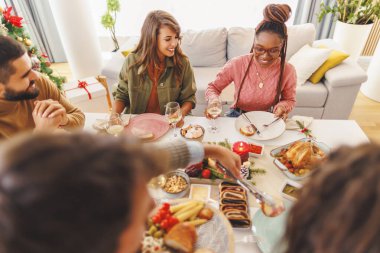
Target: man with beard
{"points": [[27, 100]]}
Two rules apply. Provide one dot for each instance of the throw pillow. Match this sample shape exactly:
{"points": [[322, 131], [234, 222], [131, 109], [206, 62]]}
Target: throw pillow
{"points": [[125, 53], [335, 58], [307, 60], [205, 48]]}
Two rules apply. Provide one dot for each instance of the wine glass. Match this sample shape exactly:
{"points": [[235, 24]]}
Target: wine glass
{"points": [[213, 111], [173, 114], [115, 125]]}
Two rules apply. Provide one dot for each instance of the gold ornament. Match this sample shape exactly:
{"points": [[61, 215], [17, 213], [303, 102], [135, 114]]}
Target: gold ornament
{"points": [[19, 39], [1, 9], [28, 42]]}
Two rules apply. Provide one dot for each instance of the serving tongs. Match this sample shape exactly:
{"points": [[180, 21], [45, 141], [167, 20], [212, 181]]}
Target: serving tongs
{"points": [[269, 205]]}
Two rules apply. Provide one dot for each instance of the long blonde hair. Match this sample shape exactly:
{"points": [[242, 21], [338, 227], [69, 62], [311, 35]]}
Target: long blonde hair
{"points": [[147, 46]]}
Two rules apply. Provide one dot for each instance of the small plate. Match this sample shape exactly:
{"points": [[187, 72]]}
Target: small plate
{"points": [[284, 169], [100, 124], [292, 184], [259, 118]]}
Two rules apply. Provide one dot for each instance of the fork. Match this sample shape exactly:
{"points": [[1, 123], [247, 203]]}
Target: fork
{"points": [[267, 125]]}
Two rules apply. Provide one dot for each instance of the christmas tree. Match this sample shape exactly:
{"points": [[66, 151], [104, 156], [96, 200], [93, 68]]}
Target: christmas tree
{"points": [[11, 25]]}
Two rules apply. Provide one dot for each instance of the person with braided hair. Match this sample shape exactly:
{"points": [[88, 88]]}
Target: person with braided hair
{"points": [[263, 80], [338, 209]]}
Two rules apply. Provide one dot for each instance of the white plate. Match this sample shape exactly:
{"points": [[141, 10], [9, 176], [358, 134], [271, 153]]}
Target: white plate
{"points": [[259, 118], [216, 234]]}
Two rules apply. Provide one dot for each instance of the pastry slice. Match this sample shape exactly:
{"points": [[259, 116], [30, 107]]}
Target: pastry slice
{"points": [[233, 195], [247, 130], [231, 207], [181, 237]]}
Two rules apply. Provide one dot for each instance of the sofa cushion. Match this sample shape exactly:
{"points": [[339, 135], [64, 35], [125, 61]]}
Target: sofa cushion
{"points": [[311, 95], [206, 48], [240, 39], [307, 60], [203, 76]]}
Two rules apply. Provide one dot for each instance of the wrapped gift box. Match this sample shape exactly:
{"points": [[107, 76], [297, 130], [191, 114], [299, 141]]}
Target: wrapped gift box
{"points": [[80, 97]]}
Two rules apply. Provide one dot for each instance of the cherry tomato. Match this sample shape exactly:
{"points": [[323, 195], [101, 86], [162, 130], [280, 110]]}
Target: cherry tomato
{"points": [[164, 224], [156, 219], [173, 221], [165, 206], [206, 173]]}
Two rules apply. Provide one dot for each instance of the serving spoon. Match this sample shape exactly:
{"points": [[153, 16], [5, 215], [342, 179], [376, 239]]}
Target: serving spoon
{"points": [[270, 206]]}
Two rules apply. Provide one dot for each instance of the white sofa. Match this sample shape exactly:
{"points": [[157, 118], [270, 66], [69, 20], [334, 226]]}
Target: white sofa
{"points": [[209, 50]]}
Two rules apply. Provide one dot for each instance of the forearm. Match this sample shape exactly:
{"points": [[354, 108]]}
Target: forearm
{"points": [[75, 119], [288, 105], [186, 108], [118, 106], [212, 92]]}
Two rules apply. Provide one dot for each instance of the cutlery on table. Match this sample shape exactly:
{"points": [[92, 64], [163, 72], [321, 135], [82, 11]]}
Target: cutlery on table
{"points": [[267, 125], [270, 206], [250, 122]]}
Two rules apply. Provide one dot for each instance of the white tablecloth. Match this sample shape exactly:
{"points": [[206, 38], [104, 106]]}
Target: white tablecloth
{"points": [[334, 133]]}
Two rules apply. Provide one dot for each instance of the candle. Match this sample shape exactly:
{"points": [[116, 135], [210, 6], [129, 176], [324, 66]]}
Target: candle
{"points": [[242, 149]]}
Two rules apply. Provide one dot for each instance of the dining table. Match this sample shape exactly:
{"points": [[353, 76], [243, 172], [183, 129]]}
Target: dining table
{"points": [[333, 133]]}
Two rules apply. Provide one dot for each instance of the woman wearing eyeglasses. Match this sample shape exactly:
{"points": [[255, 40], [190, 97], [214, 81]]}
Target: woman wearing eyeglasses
{"points": [[263, 80]]}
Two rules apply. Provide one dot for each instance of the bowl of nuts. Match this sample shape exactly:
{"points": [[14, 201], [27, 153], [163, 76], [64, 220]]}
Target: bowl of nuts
{"points": [[177, 184]]}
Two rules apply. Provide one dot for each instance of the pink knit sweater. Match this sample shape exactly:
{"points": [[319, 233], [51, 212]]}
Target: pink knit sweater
{"points": [[252, 98]]}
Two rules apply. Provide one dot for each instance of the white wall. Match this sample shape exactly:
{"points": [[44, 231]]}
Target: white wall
{"points": [[191, 14]]}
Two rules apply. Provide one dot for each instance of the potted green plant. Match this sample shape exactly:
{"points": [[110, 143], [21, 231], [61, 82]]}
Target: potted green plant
{"points": [[109, 20], [354, 22]]}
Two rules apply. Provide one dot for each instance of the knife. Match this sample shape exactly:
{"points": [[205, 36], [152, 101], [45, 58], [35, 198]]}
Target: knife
{"points": [[250, 122]]}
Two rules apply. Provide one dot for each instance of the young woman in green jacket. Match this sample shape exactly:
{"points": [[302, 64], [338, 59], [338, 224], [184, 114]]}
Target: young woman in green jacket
{"points": [[157, 71]]}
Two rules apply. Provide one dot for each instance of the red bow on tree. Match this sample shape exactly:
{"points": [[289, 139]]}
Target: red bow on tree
{"points": [[14, 20], [83, 85]]}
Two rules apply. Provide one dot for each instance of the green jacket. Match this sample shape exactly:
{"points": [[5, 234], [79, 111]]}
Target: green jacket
{"points": [[135, 92]]}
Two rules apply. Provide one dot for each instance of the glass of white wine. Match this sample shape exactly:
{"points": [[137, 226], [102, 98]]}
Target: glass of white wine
{"points": [[174, 115], [115, 125], [213, 111]]}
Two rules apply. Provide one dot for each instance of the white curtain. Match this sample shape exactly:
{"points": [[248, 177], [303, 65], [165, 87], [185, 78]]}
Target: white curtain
{"points": [[307, 12], [39, 23]]}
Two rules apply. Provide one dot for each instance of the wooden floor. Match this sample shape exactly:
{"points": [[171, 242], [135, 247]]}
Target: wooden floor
{"points": [[365, 112]]}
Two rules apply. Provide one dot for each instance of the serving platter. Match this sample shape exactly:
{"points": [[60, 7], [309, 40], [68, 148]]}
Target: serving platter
{"points": [[216, 234], [275, 153]]}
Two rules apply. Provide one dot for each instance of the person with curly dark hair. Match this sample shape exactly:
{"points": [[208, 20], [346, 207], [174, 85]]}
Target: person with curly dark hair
{"points": [[263, 80], [339, 207]]}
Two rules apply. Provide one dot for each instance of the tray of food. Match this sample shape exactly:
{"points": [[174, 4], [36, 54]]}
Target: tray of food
{"points": [[185, 225], [234, 204], [297, 159]]}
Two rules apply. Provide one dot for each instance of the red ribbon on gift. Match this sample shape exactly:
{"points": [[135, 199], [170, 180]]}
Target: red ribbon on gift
{"points": [[83, 85]]}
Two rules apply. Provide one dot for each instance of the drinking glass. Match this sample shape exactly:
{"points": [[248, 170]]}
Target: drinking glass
{"points": [[213, 111], [115, 125], [173, 114]]}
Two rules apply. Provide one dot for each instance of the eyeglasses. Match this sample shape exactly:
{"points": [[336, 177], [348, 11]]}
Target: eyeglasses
{"points": [[275, 51]]}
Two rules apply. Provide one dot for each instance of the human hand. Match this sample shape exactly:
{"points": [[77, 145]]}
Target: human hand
{"points": [[280, 112], [45, 124], [180, 123], [225, 156], [51, 109]]}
